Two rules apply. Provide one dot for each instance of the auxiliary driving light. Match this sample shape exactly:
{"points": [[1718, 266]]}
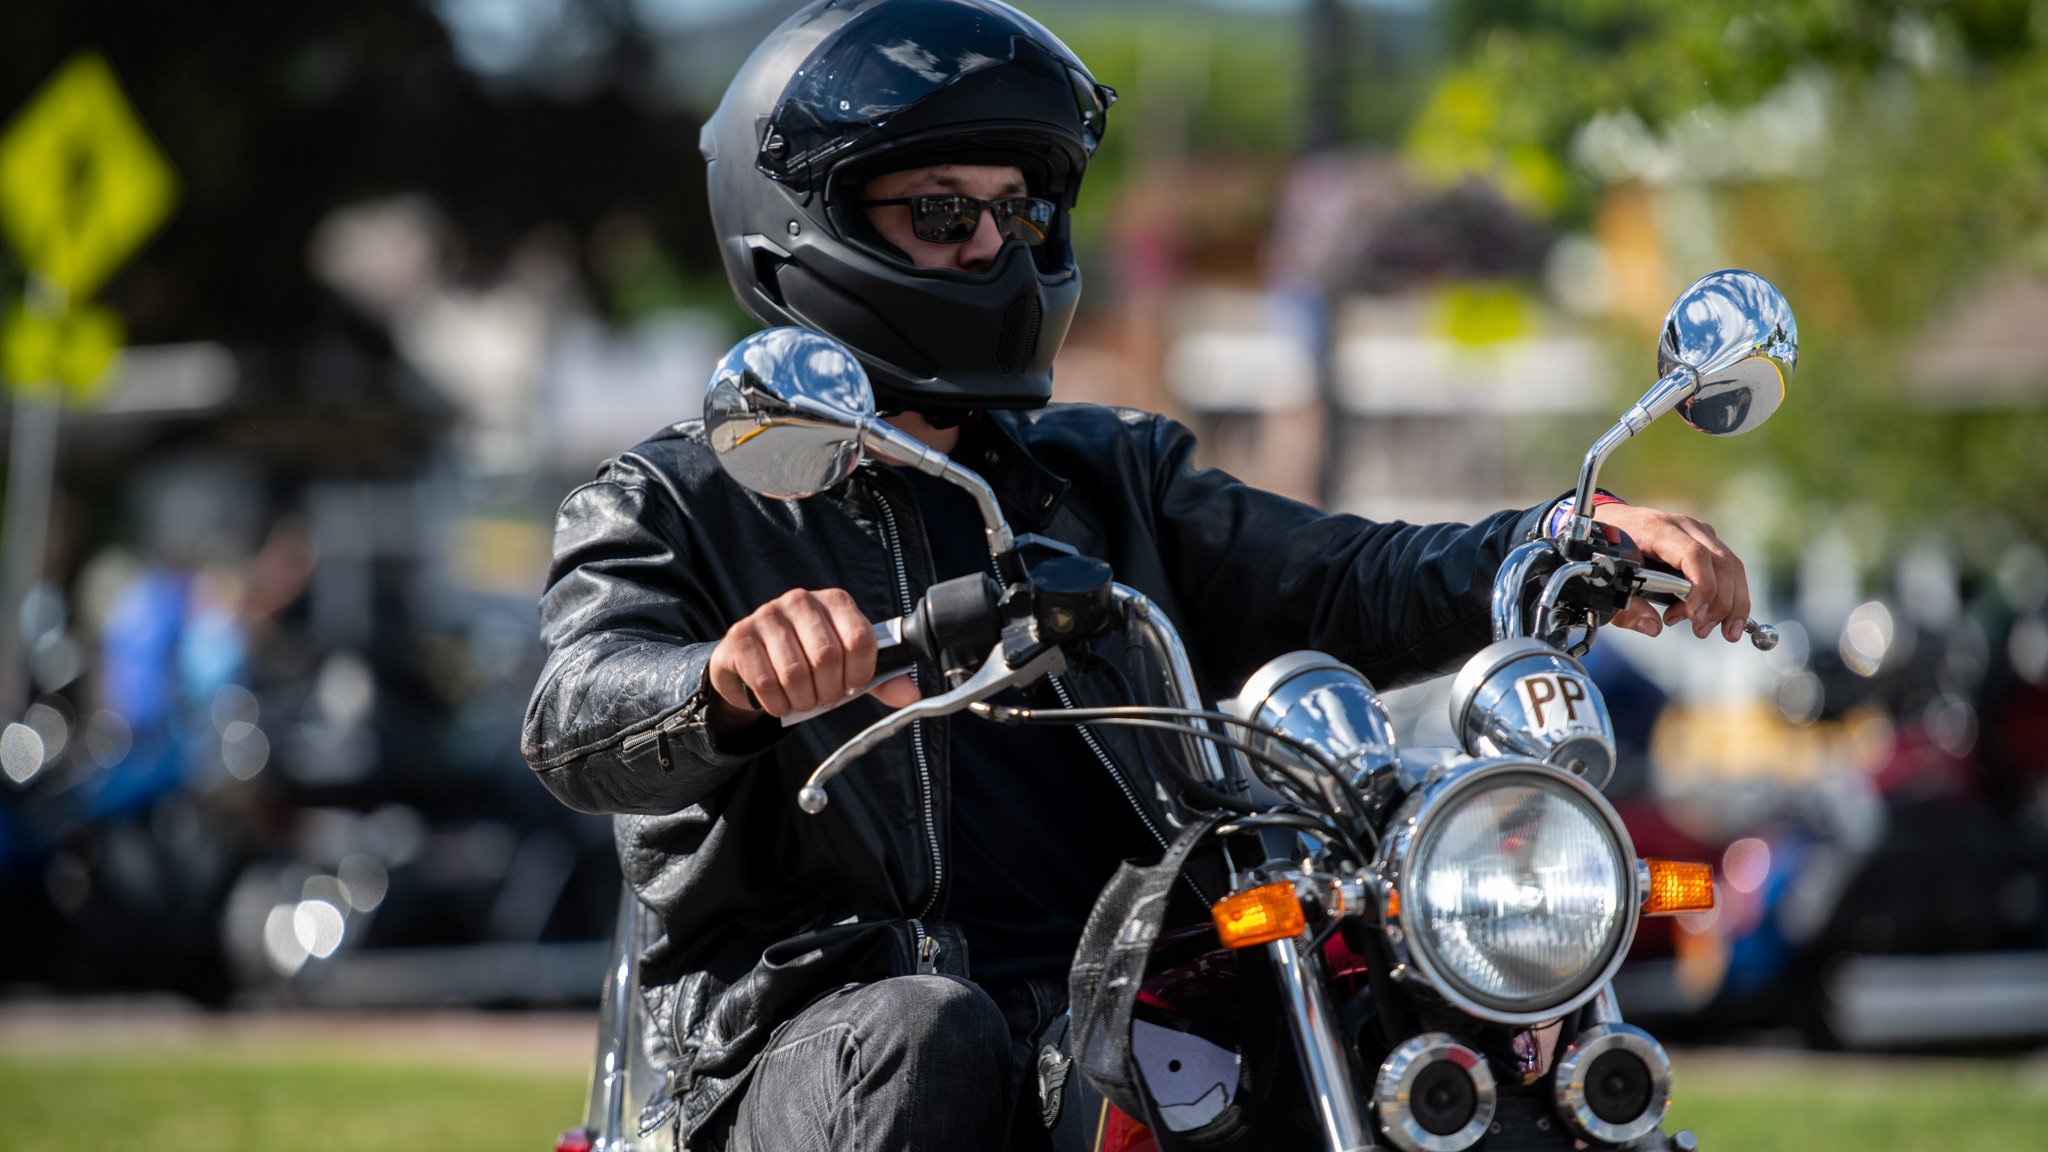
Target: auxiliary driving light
{"points": [[1434, 1094], [1613, 1083]]}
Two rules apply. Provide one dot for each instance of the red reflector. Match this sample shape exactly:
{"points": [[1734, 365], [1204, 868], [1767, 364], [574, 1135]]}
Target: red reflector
{"points": [[1120, 1133], [574, 1140]]}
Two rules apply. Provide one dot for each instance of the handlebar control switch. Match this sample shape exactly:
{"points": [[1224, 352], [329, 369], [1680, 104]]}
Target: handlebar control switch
{"points": [[956, 622]]}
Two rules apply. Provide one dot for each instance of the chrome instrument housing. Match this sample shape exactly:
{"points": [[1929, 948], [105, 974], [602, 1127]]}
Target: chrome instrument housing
{"points": [[1522, 697], [1325, 703]]}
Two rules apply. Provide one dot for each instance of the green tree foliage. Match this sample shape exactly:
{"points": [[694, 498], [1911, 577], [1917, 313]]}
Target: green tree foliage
{"points": [[1928, 178]]}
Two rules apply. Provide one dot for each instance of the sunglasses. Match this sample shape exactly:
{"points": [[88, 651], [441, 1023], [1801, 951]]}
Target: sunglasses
{"points": [[949, 218]]}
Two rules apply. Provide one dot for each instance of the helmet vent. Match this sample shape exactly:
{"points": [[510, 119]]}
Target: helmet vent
{"points": [[1018, 342]]}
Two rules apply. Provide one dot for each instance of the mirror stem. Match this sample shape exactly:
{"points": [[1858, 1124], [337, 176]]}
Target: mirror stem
{"points": [[891, 445], [1662, 397]]}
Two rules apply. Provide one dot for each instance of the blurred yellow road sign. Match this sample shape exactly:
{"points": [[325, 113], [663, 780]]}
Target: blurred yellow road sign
{"points": [[81, 183], [40, 353]]}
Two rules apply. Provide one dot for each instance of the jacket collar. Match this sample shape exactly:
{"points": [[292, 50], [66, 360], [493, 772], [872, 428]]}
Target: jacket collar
{"points": [[993, 449], [1029, 491]]}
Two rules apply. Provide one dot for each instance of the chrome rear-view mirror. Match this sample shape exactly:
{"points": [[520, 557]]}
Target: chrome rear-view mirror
{"points": [[1735, 333], [790, 414]]}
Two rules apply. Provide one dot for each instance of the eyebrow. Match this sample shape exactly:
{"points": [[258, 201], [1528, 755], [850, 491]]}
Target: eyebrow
{"points": [[948, 182]]}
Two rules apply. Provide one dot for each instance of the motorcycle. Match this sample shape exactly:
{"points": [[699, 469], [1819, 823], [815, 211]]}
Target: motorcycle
{"points": [[1411, 947]]}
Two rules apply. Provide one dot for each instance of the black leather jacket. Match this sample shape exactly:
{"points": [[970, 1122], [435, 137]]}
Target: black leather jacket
{"points": [[760, 907]]}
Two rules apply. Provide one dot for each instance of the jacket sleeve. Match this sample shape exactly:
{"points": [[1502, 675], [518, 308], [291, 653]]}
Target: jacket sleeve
{"points": [[1266, 574], [618, 721]]}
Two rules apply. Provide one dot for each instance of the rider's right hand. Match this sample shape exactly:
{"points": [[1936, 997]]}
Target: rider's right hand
{"points": [[800, 650]]}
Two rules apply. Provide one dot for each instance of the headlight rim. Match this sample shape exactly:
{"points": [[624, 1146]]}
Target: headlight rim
{"points": [[1397, 866]]}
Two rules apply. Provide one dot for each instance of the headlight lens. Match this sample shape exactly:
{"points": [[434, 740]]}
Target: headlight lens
{"points": [[1518, 893]]}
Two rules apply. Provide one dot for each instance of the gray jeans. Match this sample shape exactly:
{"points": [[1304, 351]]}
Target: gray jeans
{"points": [[900, 1065]]}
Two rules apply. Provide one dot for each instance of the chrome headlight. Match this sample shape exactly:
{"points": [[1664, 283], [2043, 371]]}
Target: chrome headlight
{"points": [[1517, 889]]}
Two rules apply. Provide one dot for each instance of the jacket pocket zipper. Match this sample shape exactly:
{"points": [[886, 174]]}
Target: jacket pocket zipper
{"points": [[658, 736]]}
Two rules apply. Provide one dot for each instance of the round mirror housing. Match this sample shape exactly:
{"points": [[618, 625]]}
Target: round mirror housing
{"points": [[786, 410], [1736, 332]]}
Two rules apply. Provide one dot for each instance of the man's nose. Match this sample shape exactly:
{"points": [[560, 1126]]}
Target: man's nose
{"points": [[980, 251]]}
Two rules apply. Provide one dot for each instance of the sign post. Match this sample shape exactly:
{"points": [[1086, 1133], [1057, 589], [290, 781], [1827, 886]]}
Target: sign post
{"points": [[81, 187]]}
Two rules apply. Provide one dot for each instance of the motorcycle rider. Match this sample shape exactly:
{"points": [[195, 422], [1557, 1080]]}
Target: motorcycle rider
{"points": [[899, 174]]}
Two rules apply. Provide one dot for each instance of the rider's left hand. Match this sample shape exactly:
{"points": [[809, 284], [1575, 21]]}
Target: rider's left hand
{"points": [[1720, 588]]}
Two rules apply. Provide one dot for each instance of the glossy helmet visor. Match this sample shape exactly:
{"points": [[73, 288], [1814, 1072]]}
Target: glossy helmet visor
{"points": [[842, 93]]}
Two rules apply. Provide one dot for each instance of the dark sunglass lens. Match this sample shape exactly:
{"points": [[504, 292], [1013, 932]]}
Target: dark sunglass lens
{"points": [[1025, 218], [944, 219]]}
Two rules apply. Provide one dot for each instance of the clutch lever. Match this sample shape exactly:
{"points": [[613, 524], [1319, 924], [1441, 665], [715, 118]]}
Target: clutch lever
{"points": [[994, 676]]}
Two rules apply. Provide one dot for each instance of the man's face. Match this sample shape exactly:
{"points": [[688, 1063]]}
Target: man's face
{"points": [[981, 181]]}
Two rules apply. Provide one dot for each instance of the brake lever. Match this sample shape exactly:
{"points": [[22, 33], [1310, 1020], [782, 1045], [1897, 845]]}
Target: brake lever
{"points": [[994, 675]]}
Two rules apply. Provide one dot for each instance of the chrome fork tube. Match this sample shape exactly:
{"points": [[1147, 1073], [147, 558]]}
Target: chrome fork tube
{"points": [[1606, 1008], [605, 1116], [1323, 1057]]}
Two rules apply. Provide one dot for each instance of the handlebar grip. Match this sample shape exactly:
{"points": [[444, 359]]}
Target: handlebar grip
{"points": [[892, 651], [961, 614], [1762, 636]]}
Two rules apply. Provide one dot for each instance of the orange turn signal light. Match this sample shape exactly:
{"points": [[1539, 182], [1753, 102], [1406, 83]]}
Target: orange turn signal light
{"points": [[1677, 886], [1263, 914]]}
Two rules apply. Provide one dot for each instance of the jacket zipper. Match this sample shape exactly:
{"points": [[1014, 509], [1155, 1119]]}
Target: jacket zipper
{"points": [[924, 767], [658, 736], [1087, 737], [1060, 689]]}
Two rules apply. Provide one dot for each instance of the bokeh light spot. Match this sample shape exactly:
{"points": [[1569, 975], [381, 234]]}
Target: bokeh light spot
{"points": [[244, 749], [1867, 638], [21, 753], [281, 940], [318, 926], [1746, 864], [364, 881], [108, 738]]}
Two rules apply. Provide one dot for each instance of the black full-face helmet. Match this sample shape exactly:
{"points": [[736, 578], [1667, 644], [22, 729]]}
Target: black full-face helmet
{"points": [[847, 90]]}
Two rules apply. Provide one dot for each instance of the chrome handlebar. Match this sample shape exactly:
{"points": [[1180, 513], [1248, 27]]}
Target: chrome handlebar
{"points": [[996, 674], [1509, 618], [1661, 586]]}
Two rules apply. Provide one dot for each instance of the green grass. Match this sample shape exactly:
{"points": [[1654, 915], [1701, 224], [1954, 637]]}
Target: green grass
{"points": [[208, 1097], [1777, 1101], [197, 1101]]}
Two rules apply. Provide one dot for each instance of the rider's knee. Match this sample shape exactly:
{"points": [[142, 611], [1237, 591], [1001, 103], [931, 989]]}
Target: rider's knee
{"points": [[943, 1017]]}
